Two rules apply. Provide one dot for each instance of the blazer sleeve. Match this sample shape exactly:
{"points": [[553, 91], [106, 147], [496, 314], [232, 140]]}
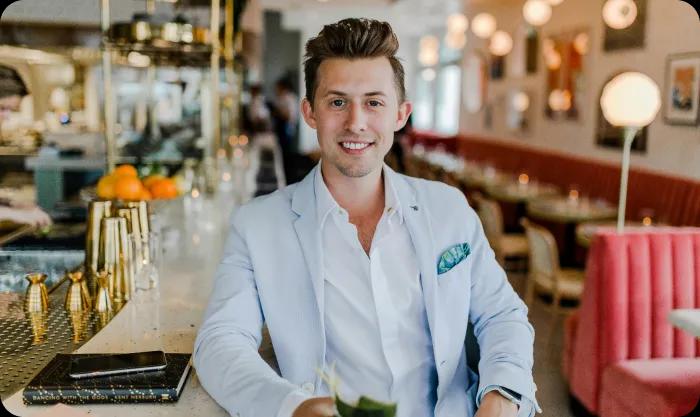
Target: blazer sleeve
{"points": [[226, 348], [500, 321]]}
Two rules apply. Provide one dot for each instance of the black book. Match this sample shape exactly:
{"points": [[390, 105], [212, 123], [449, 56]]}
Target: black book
{"points": [[54, 385]]}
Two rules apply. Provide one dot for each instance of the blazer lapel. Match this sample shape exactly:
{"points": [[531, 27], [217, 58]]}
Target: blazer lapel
{"points": [[417, 221], [306, 227]]}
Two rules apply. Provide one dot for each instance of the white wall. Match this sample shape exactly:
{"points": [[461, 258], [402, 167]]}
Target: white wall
{"points": [[671, 27]]}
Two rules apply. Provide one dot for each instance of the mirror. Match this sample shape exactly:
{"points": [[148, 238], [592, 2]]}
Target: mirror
{"points": [[564, 61]]}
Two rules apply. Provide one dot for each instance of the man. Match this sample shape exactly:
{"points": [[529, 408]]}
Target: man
{"points": [[362, 270], [12, 89]]}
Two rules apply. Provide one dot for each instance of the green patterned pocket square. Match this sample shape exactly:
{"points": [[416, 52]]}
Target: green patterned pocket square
{"points": [[452, 256]]}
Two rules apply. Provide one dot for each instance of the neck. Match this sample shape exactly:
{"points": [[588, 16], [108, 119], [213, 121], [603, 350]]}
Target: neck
{"points": [[358, 196]]}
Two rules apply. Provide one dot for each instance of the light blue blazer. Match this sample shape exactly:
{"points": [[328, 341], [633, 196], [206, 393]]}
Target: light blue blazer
{"points": [[271, 273]]}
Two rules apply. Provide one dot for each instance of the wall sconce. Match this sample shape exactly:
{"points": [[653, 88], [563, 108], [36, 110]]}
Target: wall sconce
{"points": [[630, 100]]}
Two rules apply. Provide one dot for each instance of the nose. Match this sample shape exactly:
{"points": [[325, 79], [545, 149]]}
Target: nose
{"points": [[357, 119]]}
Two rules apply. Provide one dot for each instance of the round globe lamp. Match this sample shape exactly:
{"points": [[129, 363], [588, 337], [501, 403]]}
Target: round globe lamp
{"points": [[501, 43], [537, 12], [484, 25], [630, 100], [457, 22], [619, 14]]}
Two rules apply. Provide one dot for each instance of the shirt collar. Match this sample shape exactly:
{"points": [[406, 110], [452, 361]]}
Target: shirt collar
{"points": [[325, 203]]}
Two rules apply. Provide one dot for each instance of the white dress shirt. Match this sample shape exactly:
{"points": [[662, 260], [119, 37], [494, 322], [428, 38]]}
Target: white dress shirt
{"points": [[376, 326]]}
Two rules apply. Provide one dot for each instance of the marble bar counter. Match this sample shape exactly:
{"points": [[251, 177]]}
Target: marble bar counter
{"points": [[165, 318]]}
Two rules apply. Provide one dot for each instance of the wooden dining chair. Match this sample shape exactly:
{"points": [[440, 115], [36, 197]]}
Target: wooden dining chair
{"points": [[505, 245], [545, 276]]}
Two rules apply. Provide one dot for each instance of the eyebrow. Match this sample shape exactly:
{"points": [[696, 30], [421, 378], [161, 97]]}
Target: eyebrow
{"points": [[340, 93]]}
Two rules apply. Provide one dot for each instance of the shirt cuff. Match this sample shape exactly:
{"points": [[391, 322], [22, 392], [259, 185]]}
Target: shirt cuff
{"points": [[526, 408], [512, 396], [291, 402]]}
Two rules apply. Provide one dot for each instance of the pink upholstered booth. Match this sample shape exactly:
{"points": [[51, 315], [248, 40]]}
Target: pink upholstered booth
{"points": [[622, 357]]}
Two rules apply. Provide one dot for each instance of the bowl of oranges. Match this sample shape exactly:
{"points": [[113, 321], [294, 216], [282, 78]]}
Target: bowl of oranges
{"points": [[124, 183]]}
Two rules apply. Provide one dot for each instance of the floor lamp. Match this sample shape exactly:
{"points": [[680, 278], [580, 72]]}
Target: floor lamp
{"points": [[630, 100]]}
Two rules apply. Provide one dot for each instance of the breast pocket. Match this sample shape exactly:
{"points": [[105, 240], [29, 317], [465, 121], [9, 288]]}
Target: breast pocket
{"points": [[459, 270]]}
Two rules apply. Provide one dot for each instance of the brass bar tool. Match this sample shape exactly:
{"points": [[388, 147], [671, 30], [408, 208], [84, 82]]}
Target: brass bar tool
{"points": [[77, 298], [36, 298]]}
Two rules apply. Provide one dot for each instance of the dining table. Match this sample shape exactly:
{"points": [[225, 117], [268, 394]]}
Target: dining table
{"points": [[570, 212]]}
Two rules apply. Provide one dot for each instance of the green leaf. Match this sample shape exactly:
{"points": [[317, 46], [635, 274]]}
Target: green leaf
{"points": [[366, 407]]}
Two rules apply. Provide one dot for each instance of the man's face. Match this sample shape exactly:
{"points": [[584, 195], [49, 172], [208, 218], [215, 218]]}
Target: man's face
{"points": [[9, 104], [355, 114]]}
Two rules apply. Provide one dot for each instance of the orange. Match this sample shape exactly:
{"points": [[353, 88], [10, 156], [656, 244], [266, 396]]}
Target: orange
{"points": [[105, 187], [149, 180], [126, 170], [128, 188], [163, 188]]}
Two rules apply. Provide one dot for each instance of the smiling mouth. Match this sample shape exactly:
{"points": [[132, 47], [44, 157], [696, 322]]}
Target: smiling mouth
{"points": [[356, 146]]}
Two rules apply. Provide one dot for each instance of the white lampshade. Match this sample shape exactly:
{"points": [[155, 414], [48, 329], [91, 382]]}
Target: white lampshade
{"points": [[457, 22], [520, 101], [619, 14], [456, 40], [555, 2], [631, 99], [501, 43], [484, 25], [537, 12]]}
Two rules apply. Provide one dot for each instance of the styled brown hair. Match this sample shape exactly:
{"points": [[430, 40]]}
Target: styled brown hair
{"points": [[352, 39]]}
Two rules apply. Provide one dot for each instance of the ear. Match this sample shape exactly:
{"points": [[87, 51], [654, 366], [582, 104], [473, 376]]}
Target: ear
{"points": [[308, 113], [405, 110]]}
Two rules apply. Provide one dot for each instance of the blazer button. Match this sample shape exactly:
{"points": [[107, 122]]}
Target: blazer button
{"points": [[308, 387]]}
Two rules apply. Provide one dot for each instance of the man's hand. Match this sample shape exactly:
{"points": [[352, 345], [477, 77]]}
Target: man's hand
{"points": [[495, 405], [316, 407]]}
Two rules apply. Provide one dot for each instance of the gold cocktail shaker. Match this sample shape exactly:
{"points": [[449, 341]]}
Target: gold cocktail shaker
{"points": [[36, 298], [97, 210], [114, 256], [77, 297], [103, 301]]}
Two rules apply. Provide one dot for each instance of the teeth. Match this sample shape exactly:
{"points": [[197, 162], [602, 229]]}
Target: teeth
{"points": [[355, 145]]}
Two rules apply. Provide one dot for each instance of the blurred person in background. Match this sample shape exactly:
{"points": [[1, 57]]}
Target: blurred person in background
{"points": [[285, 113], [12, 90], [257, 112]]}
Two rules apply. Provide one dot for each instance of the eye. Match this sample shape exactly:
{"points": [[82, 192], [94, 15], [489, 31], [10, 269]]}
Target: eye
{"points": [[374, 103], [337, 102]]}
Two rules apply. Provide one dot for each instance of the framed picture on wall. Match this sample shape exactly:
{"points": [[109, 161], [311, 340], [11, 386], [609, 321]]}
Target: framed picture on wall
{"points": [[682, 89]]}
